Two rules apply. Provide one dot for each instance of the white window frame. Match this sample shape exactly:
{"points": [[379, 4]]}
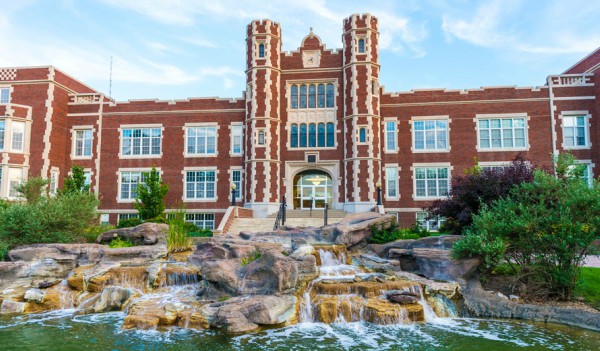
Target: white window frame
{"points": [[12, 136], [126, 216], [239, 196], [415, 119], [416, 166], [199, 126], [3, 134], [501, 116], [385, 135], [185, 198], [395, 180], [589, 169], [74, 139], [574, 114], [204, 221], [426, 224], [53, 185], [131, 170], [5, 90], [22, 179], [494, 165], [104, 218], [122, 128], [1, 180], [236, 130]]}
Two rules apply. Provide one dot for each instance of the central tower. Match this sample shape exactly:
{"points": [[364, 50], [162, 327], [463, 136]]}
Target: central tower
{"points": [[362, 144]]}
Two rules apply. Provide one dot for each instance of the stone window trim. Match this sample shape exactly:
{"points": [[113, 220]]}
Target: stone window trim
{"points": [[359, 129], [385, 135], [384, 192], [7, 174], [429, 118], [121, 170], [299, 82], [523, 115], [261, 137], [74, 131], [8, 134], [53, 181], [328, 135], [429, 165], [233, 126], [5, 94], [140, 126], [365, 44], [265, 48], [186, 128], [587, 116], [239, 196], [184, 197]]}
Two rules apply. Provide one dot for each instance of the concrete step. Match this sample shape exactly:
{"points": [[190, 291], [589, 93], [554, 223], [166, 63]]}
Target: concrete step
{"points": [[255, 225], [312, 214]]}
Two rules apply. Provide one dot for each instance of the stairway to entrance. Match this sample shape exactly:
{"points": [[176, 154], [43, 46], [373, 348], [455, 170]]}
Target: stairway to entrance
{"points": [[294, 218]]}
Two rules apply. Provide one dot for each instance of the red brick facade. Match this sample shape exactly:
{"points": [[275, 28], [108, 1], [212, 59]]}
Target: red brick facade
{"points": [[53, 107]]}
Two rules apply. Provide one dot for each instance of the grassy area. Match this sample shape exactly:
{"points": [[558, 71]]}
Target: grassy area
{"points": [[588, 286]]}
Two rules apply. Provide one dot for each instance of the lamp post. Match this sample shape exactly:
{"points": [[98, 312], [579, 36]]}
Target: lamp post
{"points": [[378, 185], [233, 187]]}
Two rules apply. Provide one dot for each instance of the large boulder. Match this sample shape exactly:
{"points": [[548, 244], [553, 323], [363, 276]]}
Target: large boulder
{"points": [[143, 234], [248, 313], [113, 298], [70, 255], [356, 229]]}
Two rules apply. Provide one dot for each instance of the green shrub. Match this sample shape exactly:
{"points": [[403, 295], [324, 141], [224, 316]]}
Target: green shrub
{"points": [[91, 234], [117, 243], [75, 182], [33, 189], [150, 201], [588, 286], [130, 222], [159, 219], [177, 238], [382, 236], [3, 250], [201, 233], [4, 204], [253, 256], [59, 219]]}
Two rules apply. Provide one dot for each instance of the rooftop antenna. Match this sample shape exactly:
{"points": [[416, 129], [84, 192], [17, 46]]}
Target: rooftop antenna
{"points": [[110, 80]]}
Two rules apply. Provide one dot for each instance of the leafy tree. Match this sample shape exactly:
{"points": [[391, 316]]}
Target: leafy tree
{"points": [[477, 187], [543, 230], [33, 189], [75, 183], [150, 201]]}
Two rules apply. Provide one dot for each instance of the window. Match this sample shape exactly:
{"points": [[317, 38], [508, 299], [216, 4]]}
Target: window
{"points": [[18, 134], [83, 143], [4, 95], [200, 185], [15, 178], [430, 135], [261, 50], [236, 178], [129, 184], [312, 96], [126, 216], [53, 182], [104, 218], [261, 137], [502, 133], [362, 135], [202, 220], [575, 131], [585, 175], [236, 139], [361, 46], [141, 141], [201, 141], [390, 136], [0, 181], [391, 182], [87, 178], [2, 130], [312, 135], [432, 224], [431, 182]]}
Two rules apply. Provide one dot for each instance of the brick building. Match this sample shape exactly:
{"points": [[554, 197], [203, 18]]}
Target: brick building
{"points": [[314, 125]]}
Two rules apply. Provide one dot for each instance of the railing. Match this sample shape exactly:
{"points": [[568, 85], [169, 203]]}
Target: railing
{"points": [[325, 213], [280, 218]]}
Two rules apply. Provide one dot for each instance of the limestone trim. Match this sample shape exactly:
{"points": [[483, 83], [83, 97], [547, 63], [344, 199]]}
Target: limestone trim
{"points": [[74, 131], [445, 118], [332, 168], [581, 113], [481, 116], [140, 126], [184, 197]]}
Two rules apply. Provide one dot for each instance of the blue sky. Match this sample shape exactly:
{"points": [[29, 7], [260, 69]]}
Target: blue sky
{"points": [[185, 48]]}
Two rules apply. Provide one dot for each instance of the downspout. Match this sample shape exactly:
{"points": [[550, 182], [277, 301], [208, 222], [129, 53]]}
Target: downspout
{"points": [[552, 124]]}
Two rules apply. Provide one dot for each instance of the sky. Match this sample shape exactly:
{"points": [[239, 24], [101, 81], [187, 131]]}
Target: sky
{"points": [[175, 49]]}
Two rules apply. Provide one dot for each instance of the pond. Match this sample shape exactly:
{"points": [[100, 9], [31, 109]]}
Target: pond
{"points": [[58, 330]]}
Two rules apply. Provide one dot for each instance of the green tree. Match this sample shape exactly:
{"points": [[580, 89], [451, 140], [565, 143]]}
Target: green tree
{"points": [[150, 201], [33, 189], [75, 183], [543, 229]]}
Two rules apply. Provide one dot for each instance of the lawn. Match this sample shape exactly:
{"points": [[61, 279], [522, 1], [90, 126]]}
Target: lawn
{"points": [[588, 286]]}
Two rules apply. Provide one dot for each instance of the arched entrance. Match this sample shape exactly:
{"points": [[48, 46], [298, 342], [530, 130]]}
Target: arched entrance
{"points": [[312, 189]]}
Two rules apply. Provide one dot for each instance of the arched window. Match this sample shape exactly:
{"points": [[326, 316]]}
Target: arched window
{"points": [[294, 96], [261, 50], [330, 95], [361, 46], [312, 96], [303, 96], [294, 135], [312, 135], [321, 96], [321, 135], [303, 135], [330, 134]]}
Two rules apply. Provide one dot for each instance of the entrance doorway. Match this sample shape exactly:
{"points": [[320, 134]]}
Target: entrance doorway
{"points": [[312, 190]]}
